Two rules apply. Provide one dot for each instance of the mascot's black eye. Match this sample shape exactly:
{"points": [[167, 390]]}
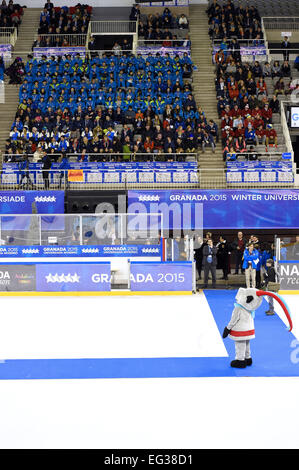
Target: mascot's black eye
{"points": [[249, 299]]}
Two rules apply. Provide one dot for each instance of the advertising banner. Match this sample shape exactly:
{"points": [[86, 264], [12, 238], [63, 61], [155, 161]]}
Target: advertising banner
{"points": [[15, 278], [288, 275], [247, 51], [161, 276], [146, 50], [106, 173], [38, 52], [98, 251], [221, 209], [22, 202], [5, 51], [71, 277], [75, 176]]}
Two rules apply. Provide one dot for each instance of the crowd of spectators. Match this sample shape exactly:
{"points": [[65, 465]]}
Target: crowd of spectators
{"points": [[245, 106], [230, 21], [158, 29], [248, 255], [10, 14], [56, 24], [109, 105]]}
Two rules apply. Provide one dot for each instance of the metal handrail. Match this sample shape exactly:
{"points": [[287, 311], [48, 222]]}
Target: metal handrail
{"points": [[249, 41], [278, 22], [206, 178], [72, 39], [8, 35], [60, 179], [134, 157]]}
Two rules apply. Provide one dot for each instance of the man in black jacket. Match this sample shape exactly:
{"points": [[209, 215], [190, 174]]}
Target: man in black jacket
{"points": [[209, 263], [270, 276], [239, 245], [285, 46], [47, 162]]}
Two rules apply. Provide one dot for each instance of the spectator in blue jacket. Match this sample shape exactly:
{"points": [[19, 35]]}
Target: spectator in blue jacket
{"points": [[251, 260]]}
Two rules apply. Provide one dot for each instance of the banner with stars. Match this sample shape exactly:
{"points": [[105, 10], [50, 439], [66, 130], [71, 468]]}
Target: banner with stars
{"points": [[66, 277]]}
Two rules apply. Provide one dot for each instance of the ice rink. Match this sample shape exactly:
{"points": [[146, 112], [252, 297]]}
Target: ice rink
{"points": [[143, 372]]}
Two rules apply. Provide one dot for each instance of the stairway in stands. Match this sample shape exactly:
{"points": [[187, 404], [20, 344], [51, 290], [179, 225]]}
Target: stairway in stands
{"points": [[211, 164], [23, 46]]}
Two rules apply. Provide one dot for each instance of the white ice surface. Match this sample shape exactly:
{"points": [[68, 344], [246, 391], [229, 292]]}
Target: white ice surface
{"points": [[292, 303], [108, 327], [144, 413], [150, 413]]}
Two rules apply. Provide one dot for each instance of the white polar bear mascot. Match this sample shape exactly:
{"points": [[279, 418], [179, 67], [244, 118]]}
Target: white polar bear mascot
{"points": [[241, 326]]}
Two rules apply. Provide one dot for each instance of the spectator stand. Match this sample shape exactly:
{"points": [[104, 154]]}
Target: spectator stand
{"points": [[164, 29], [249, 115], [97, 125], [63, 28], [10, 20]]}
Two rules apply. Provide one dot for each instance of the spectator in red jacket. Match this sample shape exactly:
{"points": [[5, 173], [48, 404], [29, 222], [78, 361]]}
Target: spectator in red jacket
{"points": [[271, 136], [261, 135], [258, 121], [267, 114]]}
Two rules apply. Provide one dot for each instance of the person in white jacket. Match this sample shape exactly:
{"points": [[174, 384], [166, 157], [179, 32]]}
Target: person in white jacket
{"points": [[241, 326]]}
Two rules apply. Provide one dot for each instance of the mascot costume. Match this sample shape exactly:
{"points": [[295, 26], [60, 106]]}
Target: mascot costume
{"points": [[241, 326]]}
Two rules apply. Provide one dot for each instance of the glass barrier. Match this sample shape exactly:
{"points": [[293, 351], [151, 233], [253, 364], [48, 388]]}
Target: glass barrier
{"points": [[180, 249], [87, 229], [289, 248]]}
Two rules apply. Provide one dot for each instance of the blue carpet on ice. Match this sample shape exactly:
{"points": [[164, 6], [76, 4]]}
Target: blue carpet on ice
{"points": [[271, 351]]}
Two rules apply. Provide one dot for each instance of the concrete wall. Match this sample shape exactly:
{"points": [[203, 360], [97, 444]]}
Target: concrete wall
{"points": [[274, 35]]}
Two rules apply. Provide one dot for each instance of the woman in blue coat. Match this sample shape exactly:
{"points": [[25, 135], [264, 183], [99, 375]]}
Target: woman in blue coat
{"points": [[250, 263]]}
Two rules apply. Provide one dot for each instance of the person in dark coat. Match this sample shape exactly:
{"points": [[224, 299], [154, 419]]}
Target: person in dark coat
{"points": [[269, 276], [25, 173], [223, 256], [239, 245], [286, 46], [198, 255], [209, 262], [47, 163]]}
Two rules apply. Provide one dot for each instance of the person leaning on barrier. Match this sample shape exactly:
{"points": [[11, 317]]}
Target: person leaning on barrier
{"points": [[25, 173], [63, 168], [47, 163]]}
